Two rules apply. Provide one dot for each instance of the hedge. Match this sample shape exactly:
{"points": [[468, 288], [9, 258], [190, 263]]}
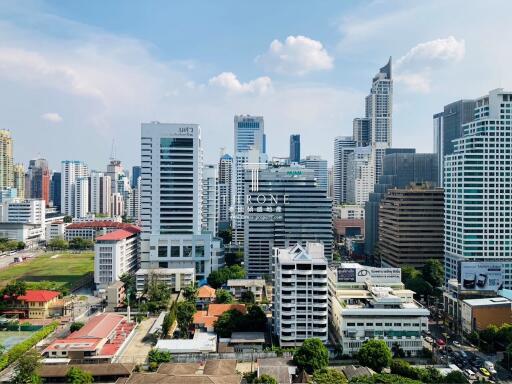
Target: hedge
{"points": [[18, 350]]}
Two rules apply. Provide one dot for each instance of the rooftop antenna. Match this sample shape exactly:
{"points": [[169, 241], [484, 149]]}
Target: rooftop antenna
{"points": [[113, 150]]}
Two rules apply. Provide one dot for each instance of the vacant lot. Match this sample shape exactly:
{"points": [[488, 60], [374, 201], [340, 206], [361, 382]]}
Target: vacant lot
{"points": [[63, 269], [10, 338]]}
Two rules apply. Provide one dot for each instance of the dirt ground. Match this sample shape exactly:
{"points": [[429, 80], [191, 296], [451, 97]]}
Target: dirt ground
{"points": [[137, 351]]}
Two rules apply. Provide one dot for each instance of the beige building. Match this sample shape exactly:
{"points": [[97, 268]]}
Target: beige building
{"points": [[19, 180], [478, 314], [6, 161], [256, 286]]}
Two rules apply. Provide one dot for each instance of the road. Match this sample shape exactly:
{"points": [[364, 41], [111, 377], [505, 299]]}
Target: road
{"points": [[137, 350], [7, 260]]}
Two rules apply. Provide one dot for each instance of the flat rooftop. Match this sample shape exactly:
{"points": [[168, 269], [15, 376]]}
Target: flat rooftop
{"points": [[488, 301]]}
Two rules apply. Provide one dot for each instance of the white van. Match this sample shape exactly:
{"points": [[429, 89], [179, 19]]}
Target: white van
{"points": [[470, 374], [490, 367]]}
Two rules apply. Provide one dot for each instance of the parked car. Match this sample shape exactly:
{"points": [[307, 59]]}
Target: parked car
{"points": [[449, 349], [428, 339], [490, 367], [485, 372], [456, 343], [470, 374]]}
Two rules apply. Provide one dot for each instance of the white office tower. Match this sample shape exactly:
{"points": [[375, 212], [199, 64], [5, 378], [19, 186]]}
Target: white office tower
{"points": [[134, 204], [81, 204], [114, 170], [210, 199], [225, 188], [379, 111], [249, 135], [478, 199], [300, 294], [117, 205], [100, 193], [31, 211], [343, 146], [171, 201], [361, 175], [71, 171], [319, 168]]}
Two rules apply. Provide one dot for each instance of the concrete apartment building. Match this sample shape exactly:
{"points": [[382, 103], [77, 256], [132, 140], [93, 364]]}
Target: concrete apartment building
{"points": [[300, 288], [411, 229]]}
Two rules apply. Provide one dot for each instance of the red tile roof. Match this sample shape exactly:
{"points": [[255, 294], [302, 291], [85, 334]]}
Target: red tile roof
{"points": [[100, 224], [38, 296], [206, 292], [99, 326], [116, 235], [219, 309]]}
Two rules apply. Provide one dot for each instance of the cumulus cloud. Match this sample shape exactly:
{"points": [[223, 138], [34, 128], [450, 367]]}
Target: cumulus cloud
{"points": [[52, 117], [230, 82], [298, 55], [439, 50]]}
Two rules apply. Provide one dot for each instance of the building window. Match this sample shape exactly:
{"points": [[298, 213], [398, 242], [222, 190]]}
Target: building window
{"points": [[175, 251], [162, 251]]}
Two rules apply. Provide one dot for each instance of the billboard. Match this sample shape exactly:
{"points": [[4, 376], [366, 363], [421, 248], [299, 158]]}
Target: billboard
{"points": [[484, 276], [362, 273]]}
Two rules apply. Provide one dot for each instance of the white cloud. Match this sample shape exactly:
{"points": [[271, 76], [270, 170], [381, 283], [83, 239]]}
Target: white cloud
{"points": [[416, 82], [439, 50], [230, 82], [298, 55], [52, 117]]}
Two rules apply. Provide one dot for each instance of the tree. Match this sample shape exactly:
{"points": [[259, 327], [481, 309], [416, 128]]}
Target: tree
{"points": [[157, 357], [21, 245], [254, 320], [455, 377], [185, 314], [489, 335], [374, 354], [80, 244], [408, 273], [328, 376], [76, 326], [505, 334], [218, 278], [67, 219], [223, 296], [433, 272], [383, 378], [420, 286], [311, 355], [58, 244], [167, 323], [76, 375], [398, 352], [265, 379], [226, 235], [26, 367], [403, 368], [157, 292], [229, 322], [247, 297], [190, 293], [16, 288], [507, 357], [130, 285]]}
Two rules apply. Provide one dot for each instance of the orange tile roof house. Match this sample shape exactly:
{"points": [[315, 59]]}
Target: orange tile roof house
{"points": [[205, 296], [205, 319], [37, 304], [100, 340]]}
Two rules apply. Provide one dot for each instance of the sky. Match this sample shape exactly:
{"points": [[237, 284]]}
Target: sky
{"points": [[78, 76]]}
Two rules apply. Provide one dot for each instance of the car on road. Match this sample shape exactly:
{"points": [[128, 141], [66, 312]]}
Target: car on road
{"points": [[470, 374], [428, 339], [485, 372], [449, 349], [456, 343]]}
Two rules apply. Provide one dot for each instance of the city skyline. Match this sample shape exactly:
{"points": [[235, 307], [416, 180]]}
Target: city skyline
{"points": [[96, 93]]}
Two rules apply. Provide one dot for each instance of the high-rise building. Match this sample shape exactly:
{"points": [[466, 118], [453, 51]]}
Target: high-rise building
{"points": [[19, 180], [249, 138], [361, 131], [39, 179], [330, 183], [300, 283], [401, 167], [100, 192], [114, 170], [117, 204], [411, 226], [360, 175], [343, 146], [225, 188], [72, 170], [210, 199], [81, 197], [135, 176], [284, 206], [448, 126], [294, 148], [55, 190], [478, 204], [6, 160], [319, 168], [171, 201]]}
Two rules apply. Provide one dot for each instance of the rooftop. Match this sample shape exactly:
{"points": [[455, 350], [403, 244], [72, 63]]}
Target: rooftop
{"points": [[100, 224], [488, 301], [38, 296], [312, 252], [117, 235], [246, 283], [206, 292], [201, 343]]}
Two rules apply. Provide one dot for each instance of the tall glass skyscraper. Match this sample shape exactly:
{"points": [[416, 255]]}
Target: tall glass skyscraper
{"points": [[343, 147], [294, 148], [478, 193]]}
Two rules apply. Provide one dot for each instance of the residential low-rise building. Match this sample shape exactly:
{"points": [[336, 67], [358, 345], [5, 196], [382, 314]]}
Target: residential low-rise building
{"points": [[175, 278], [301, 294], [204, 320], [23, 211], [115, 294], [372, 303], [202, 342], [205, 296], [90, 230], [34, 304], [478, 314], [115, 253], [239, 286], [55, 230], [30, 234]]}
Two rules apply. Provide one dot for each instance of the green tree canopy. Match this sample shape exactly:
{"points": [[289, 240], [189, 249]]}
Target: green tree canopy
{"points": [[76, 375], [247, 297], [408, 273], [265, 379], [26, 367], [190, 293], [420, 286], [455, 377], [374, 354], [383, 378], [223, 296], [328, 376], [433, 272], [167, 323], [185, 315], [16, 288], [312, 355], [218, 278], [130, 286], [229, 322], [76, 326], [58, 244]]}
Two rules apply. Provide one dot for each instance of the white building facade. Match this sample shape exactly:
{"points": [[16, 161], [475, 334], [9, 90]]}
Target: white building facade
{"points": [[210, 199], [343, 146], [319, 168], [361, 175], [71, 171], [301, 294]]}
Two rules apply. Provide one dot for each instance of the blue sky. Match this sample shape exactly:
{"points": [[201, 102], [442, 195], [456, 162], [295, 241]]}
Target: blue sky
{"points": [[74, 75]]}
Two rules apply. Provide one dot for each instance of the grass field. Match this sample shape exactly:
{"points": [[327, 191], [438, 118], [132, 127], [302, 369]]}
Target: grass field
{"points": [[10, 338], [62, 270]]}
